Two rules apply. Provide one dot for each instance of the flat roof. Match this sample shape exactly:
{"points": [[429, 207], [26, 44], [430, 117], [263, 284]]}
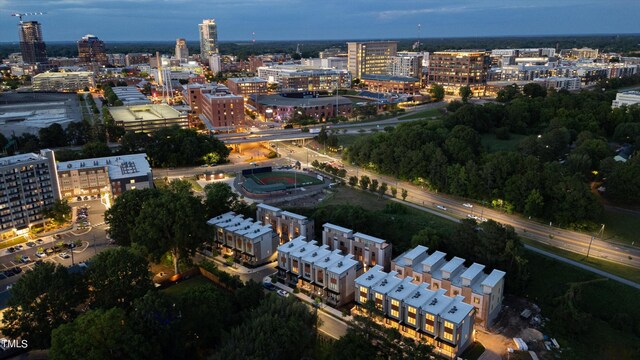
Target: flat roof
{"points": [[472, 271], [144, 112], [277, 100], [402, 290], [254, 79], [456, 311], [302, 251], [419, 296], [437, 303], [53, 75], [328, 260], [371, 277], [493, 278], [388, 283], [369, 238], [321, 252], [452, 264], [406, 258], [292, 245], [222, 218], [433, 258], [268, 207], [119, 167], [342, 265], [337, 228], [21, 158], [293, 215]]}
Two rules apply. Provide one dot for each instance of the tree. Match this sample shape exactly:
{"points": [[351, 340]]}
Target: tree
{"points": [[117, 277], [219, 199], [534, 205], [162, 226], [465, 93], [132, 142], [382, 189], [42, 299], [52, 136], [95, 149], [364, 182], [373, 186], [404, 194], [437, 92], [353, 181], [394, 191], [99, 334], [60, 212], [533, 90], [121, 217]]}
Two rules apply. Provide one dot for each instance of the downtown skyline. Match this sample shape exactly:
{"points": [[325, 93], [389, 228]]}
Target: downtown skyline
{"points": [[145, 20]]}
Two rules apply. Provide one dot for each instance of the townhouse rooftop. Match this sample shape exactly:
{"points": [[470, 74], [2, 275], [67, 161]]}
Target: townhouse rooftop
{"points": [[369, 238], [388, 283], [337, 228], [457, 310]]}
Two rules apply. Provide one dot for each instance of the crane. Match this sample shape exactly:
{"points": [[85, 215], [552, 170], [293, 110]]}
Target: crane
{"points": [[20, 15]]}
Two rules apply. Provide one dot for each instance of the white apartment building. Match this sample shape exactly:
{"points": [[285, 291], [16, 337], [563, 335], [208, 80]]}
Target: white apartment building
{"points": [[63, 81], [318, 271], [417, 311], [406, 64], [626, 98], [244, 239], [368, 249], [28, 186], [482, 291], [559, 82], [286, 224], [305, 78]]}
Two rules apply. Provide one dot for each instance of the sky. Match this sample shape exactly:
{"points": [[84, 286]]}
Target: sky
{"points": [[166, 20]]}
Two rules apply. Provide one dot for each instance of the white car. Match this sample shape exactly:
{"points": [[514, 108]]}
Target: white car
{"points": [[64, 255], [442, 207], [25, 259], [282, 293], [467, 205], [41, 255]]}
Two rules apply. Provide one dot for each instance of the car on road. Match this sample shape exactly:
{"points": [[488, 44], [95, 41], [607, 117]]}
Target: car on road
{"points": [[64, 255], [31, 244], [442, 207], [467, 205], [282, 293], [268, 286], [25, 259], [41, 255]]}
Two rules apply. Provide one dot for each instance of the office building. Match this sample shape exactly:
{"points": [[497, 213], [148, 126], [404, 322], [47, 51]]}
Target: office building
{"points": [[454, 69], [582, 53], [369, 250], [244, 239], [247, 86], [63, 81], [215, 106], [559, 83], [626, 98], [391, 84], [407, 64], [147, 118], [136, 59], [215, 63], [208, 38], [318, 271], [28, 186], [373, 57], [97, 177], [32, 46], [330, 52], [130, 95], [417, 311], [482, 291], [182, 51], [282, 108], [286, 224], [295, 78], [91, 50]]}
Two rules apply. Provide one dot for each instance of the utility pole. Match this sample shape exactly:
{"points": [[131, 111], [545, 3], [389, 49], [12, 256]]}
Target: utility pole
{"points": [[592, 236]]}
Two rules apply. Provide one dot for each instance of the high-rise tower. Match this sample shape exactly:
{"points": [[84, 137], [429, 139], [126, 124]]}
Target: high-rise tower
{"points": [[208, 38], [182, 52], [31, 43], [91, 50]]}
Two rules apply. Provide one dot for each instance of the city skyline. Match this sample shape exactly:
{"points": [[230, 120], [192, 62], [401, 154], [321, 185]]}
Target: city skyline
{"points": [[126, 20]]}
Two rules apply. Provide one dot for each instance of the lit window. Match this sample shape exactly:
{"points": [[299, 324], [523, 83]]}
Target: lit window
{"points": [[476, 300]]}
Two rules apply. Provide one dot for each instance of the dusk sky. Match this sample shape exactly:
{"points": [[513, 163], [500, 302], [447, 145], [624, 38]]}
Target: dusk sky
{"points": [[123, 20]]}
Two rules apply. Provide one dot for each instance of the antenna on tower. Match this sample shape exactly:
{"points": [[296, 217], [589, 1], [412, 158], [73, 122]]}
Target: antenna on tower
{"points": [[20, 15], [253, 37], [419, 28]]}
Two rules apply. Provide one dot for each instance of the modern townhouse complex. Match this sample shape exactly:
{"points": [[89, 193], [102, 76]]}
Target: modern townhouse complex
{"points": [[286, 224], [482, 291], [369, 250], [321, 272], [28, 186], [417, 311], [244, 239]]}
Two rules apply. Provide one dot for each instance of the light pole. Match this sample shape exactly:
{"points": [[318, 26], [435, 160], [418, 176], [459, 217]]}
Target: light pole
{"points": [[601, 238]]}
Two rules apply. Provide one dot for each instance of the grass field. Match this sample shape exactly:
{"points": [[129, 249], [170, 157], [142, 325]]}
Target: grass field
{"points": [[425, 114], [621, 227], [186, 286], [347, 140], [288, 178], [491, 144]]}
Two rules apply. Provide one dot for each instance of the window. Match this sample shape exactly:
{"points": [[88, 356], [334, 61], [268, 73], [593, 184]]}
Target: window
{"points": [[379, 301], [428, 322], [363, 294], [448, 325], [395, 304], [456, 292], [294, 266], [476, 300], [448, 336], [436, 286], [411, 315]]}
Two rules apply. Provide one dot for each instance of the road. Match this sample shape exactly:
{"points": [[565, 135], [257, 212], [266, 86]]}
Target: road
{"points": [[547, 234]]}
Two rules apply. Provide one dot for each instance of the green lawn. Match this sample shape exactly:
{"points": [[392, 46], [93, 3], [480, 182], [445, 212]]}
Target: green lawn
{"points": [[194, 184], [347, 140], [491, 144], [621, 227], [424, 114], [186, 286], [608, 311]]}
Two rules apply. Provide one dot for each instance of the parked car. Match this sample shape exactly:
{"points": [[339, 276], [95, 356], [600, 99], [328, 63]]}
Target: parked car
{"points": [[25, 259], [8, 273], [17, 270], [11, 250], [39, 241], [64, 255], [39, 262], [31, 244], [41, 255], [282, 293], [48, 251], [19, 247], [2, 276], [268, 286]]}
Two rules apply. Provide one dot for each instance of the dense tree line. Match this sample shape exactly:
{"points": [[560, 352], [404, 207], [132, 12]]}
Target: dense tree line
{"points": [[570, 141]]}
